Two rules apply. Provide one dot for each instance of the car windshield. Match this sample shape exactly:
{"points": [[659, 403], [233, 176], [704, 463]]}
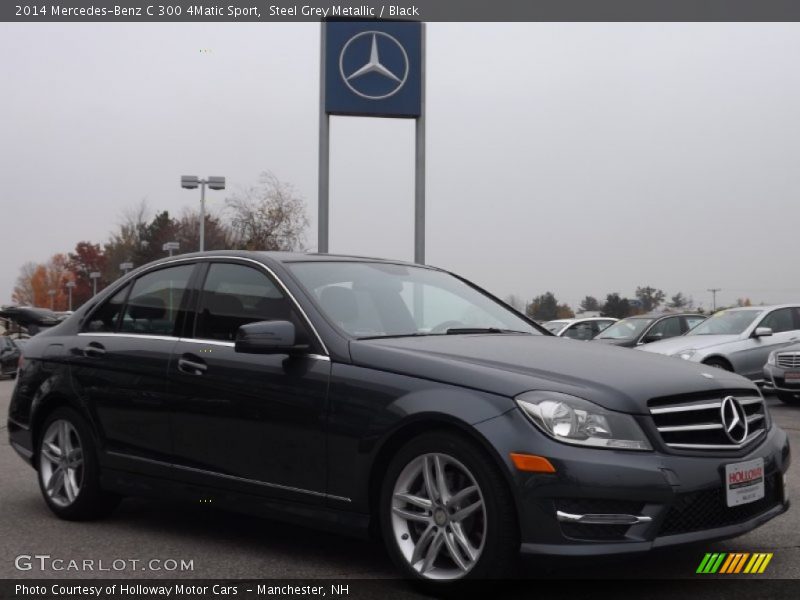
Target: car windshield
{"points": [[554, 326], [726, 322], [371, 299], [627, 329]]}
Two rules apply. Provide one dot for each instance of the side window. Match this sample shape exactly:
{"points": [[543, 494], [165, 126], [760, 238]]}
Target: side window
{"points": [[603, 325], [691, 322], [154, 304], [667, 328], [234, 295], [580, 331], [779, 320], [106, 318]]}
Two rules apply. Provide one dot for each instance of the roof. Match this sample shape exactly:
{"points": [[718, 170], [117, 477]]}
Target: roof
{"points": [[287, 257]]}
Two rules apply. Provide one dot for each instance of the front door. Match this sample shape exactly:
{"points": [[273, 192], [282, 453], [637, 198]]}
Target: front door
{"points": [[253, 422]]}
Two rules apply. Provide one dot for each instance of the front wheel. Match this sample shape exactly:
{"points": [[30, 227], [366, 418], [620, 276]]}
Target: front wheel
{"points": [[69, 475], [446, 511], [790, 398]]}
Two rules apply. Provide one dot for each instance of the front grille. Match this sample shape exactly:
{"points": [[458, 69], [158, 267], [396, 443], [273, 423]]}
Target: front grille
{"points": [[695, 422], [788, 360], [696, 511]]}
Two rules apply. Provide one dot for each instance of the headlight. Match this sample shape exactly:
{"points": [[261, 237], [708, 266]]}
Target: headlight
{"points": [[771, 358], [576, 421], [686, 354]]}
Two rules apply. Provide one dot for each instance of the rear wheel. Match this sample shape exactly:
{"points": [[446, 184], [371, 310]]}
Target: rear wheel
{"points": [[446, 511], [791, 398], [69, 475]]}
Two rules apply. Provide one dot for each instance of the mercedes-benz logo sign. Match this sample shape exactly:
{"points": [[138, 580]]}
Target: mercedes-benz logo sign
{"points": [[373, 65], [734, 420]]}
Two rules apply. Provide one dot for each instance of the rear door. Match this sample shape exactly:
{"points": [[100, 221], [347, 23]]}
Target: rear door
{"points": [[250, 422], [119, 364]]}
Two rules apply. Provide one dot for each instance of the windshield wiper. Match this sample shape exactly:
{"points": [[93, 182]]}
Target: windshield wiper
{"points": [[396, 335], [467, 330]]}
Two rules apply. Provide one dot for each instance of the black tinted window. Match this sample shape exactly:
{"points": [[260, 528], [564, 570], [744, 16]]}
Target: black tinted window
{"points": [[106, 318], [234, 295], [667, 328], [779, 320], [154, 303]]}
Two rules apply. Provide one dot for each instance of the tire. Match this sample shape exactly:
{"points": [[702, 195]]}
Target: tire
{"points": [[66, 450], [490, 530], [718, 363], [792, 399]]}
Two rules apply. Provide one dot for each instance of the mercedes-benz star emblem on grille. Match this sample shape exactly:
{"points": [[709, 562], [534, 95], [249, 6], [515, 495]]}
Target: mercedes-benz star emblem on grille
{"points": [[380, 75], [734, 420]]}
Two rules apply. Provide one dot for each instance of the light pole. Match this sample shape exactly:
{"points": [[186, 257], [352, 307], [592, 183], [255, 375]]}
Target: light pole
{"points": [[170, 246], [190, 182], [714, 298], [125, 267], [94, 276], [52, 294], [70, 285]]}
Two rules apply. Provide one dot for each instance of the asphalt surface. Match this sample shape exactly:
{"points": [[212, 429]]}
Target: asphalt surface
{"points": [[224, 545]]}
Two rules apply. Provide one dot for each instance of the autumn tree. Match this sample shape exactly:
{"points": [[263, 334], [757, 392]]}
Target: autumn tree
{"points": [[546, 308], [87, 258], [43, 285], [616, 306], [267, 216], [216, 236], [650, 297]]}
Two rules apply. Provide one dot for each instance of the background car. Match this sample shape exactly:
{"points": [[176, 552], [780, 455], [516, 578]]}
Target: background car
{"points": [[9, 357], [579, 329], [782, 374], [645, 329], [737, 339]]}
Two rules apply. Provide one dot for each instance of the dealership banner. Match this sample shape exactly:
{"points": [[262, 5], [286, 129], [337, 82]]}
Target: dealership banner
{"points": [[424, 10], [391, 589]]}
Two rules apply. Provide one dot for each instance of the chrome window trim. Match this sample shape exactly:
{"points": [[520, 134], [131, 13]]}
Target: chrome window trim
{"points": [[198, 259], [201, 342], [278, 486]]}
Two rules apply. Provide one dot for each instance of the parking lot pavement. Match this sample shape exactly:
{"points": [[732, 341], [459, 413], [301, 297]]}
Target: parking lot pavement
{"points": [[227, 545]]}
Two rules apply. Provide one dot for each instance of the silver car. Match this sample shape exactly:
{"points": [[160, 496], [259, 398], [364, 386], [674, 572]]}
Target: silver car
{"points": [[579, 329], [738, 339]]}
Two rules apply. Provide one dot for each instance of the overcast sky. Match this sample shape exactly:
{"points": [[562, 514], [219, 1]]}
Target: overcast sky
{"points": [[576, 158]]}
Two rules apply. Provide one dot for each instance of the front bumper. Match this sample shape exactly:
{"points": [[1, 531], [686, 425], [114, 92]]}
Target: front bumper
{"points": [[681, 495], [774, 380]]}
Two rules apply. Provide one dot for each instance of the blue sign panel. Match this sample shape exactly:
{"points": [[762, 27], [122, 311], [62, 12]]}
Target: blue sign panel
{"points": [[373, 68]]}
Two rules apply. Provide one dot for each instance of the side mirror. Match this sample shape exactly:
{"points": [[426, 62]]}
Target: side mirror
{"points": [[267, 337], [762, 332]]}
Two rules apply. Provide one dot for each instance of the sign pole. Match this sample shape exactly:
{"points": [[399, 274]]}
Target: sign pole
{"points": [[324, 154], [419, 166]]}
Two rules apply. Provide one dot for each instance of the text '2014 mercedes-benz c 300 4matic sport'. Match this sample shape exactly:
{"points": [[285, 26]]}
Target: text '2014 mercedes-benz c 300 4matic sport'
{"points": [[390, 398]]}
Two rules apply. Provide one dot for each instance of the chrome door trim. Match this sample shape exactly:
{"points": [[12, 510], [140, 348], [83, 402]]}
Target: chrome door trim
{"points": [[276, 486]]}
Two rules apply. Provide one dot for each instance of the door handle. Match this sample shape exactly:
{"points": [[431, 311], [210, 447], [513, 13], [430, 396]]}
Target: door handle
{"points": [[94, 350], [191, 367]]}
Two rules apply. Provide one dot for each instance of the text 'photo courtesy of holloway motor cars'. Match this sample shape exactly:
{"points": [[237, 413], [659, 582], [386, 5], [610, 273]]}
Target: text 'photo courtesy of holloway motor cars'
{"points": [[389, 399]]}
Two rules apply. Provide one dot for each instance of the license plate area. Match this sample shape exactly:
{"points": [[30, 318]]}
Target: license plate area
{"points": [[792, 377], [744, 482]]}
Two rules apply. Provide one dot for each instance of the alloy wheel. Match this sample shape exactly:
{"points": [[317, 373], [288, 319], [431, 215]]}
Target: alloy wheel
{"points": [[438, 517], [61, 463]]}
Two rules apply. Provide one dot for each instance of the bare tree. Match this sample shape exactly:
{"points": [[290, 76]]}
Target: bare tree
{"points": [[267, 216], [23, 291]]}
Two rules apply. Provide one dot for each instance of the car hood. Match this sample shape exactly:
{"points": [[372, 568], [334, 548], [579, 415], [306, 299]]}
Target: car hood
{"points": [[687, 342], [616, 378], [614, 342]]}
